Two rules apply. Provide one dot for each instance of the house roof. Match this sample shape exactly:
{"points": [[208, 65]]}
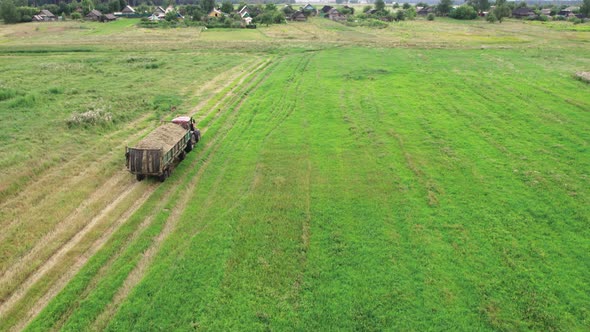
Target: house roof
{"points": [[159, 9], [128, 9], [309, 7], [94, 12], [110, 17], [522, 11], [243, 10], [215, 11], [46, 12], [326, 8]]}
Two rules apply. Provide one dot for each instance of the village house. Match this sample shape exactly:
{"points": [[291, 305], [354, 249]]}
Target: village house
{"points": [[215, 13], [309, 9], [128, 10], [335, 15], [94, 15], [424, 11], [244, 11], [298, 16], [522, 12], [108, 18], [44, 16]]}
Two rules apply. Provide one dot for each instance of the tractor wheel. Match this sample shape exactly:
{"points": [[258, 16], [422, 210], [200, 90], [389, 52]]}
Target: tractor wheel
{"points": [[189, 146]]}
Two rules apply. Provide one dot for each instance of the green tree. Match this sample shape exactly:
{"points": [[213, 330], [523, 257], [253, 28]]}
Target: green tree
{"points": [[270, 7], [585, 8], [502, 10], [266, 18], [8, 12], [380, 5], [208, 5], [87, 6], [115, 6], [464, 12], [410, 13], [227, 7], [444, 7], [406, 5], [400, 15], [288, 10], [171, 16]]}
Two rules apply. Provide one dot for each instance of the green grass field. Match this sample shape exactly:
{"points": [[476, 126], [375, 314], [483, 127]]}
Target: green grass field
{"points": [[427, 176]]}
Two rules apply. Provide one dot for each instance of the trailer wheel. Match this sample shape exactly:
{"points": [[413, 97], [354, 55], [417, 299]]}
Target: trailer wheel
{"points": [[182, 155], [164, 175], [189, 146], [140, 177]]}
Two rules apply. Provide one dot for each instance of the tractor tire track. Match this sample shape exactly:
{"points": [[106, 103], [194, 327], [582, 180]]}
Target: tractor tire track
{"points": [[69, 245], [141, 268], [42, 270], [62, 228]]}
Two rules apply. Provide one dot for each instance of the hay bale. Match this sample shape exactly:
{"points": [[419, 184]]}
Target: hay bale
{"points": [[163, 137], [583, 76]]}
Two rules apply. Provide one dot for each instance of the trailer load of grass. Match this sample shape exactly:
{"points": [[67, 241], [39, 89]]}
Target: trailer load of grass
{"points": [[156, 153]]}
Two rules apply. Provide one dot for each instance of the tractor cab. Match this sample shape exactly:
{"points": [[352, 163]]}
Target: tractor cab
{"points": [[188, 123]]}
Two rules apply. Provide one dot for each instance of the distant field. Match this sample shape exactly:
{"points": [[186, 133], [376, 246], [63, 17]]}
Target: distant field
{"points": [[426, 176]]}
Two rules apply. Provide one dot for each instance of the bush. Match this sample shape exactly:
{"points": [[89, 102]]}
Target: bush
{"points": [[430, 17], [89, 118], [76, 16], [575, 20], [491, 18], [463, 12]]}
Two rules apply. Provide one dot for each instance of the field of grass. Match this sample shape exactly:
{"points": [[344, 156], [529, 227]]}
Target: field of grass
{"points": [[427, 176]]}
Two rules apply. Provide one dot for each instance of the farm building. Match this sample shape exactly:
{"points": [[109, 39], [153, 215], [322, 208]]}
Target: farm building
{"points": [[335, 15], [522, 12], [326, 9], [298, 16], [94, 15]]}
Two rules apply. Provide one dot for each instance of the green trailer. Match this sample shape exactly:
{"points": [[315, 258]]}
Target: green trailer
{"points": [[158, 152]]}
